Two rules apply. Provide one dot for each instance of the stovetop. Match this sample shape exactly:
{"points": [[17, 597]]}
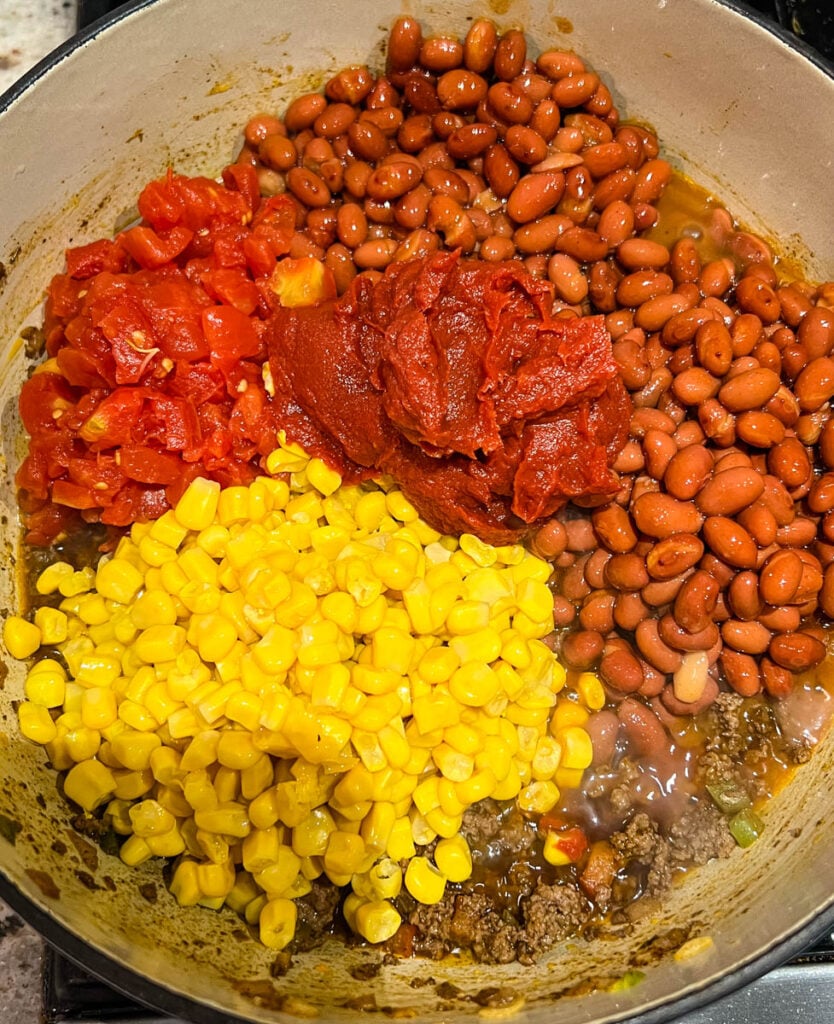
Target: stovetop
{"points": [[799, 991]]}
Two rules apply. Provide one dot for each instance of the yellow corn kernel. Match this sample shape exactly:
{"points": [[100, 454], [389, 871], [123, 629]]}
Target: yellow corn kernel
{"points": [[324, 479], [199, 791], [279, 875], [36, 723], [98, 707], [159, 643], [452, 764], [46, 683], [479, 786], [89, 784], [591, 691], [118, 580], [425, 883], [376, 920], [154, 608], [52, 624], [346, 854], [567, 714], [79, 581], [216, 880], [577, 749], [443, 824], [149, 818], [508, 787], [277, 922], [474, 684], [399, 507], [227, 819], [547, 758], [198, 506], [95, 669], [22, 638], [467, 617], [454, 858], [311, 834], [135, 851], [242, 892], [134, 749], [569, 778], [169, 844], [52, 576], [82, 743], [539, 797], [385, 879]]}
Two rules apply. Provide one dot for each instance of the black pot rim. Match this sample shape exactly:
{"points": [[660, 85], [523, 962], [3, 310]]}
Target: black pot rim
{"points": [[158, 997]]}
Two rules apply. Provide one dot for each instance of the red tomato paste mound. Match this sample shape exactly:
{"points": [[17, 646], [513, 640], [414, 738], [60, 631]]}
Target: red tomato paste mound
{"points": [[455, 378]]}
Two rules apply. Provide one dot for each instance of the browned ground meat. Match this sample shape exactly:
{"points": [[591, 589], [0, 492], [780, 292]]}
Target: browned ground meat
{"points": [[316, 913]]}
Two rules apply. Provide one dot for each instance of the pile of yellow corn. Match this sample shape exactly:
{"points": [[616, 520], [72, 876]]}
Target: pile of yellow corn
{"points": [[297, 678]]}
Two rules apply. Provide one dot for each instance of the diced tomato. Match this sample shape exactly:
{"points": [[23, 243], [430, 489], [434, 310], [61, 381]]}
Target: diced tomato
{"points": [[243, 178], [114, 419], [86, 260], [160, 204], [62, 300], [232, 287], [135, 503], [156, 342], [230, 335], [148, 465], [43, 398], [100, 474], [171, 421], [151, 249], [64, 492]]}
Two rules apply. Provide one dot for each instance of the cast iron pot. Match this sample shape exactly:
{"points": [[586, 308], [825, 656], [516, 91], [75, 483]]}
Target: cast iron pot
{"points": [[171, 82]]}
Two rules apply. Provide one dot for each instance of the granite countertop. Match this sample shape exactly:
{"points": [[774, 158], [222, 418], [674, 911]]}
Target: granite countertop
{"points": [[29, 29]]}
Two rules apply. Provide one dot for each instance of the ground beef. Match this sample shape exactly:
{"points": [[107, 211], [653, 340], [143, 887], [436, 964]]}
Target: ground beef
{"points": [[497, 830], [550, 914], [317, 913], [700, 835]]}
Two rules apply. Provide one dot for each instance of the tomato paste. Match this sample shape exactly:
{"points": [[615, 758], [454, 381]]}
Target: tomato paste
{"points": [[455, 378]]}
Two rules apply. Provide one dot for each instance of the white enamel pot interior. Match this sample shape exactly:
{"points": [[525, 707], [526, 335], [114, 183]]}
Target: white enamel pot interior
{"points": [[171, 82]]}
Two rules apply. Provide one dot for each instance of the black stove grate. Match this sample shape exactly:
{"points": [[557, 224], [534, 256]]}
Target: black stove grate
{"points": [[71, 994]]}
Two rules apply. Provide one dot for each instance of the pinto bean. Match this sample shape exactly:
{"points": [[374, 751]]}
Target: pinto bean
{"points": [[696, 601], [660, 515], [743, 596], [730, 541], [750, 389], [777, 681], [614, 529], [643, 729], [622, 671], [603, 727], [796, 652], [730, 491], [674, 555], [582, 649], [742, 672], [747, 637], [687, 472], [654, 649]]}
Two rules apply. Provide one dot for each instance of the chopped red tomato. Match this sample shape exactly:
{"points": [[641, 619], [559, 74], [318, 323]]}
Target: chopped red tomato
{"points": [[156, 349]]}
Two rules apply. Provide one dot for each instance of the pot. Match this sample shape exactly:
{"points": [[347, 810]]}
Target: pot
{"points": [[170, 82]]}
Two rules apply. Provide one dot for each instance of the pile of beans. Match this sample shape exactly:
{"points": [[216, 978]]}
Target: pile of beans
{"points": [[716, 558]]}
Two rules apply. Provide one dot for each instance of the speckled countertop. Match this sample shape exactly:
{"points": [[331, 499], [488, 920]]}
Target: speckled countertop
{"points": [[29, 29]]}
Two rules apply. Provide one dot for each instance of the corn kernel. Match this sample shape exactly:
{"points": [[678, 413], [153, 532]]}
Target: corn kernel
{"points": [[36, 723], [22, 638], [454, 858], [423, 880], [277, 922], [197, 507], [89, 784], [52, 623], [376, 920]]}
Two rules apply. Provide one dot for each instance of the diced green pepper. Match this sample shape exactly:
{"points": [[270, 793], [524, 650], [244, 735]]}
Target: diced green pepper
{"points": [[728, 795], [628, 980], [746, 827]]}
